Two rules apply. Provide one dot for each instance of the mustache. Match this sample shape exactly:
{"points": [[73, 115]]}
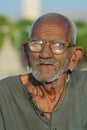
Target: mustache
{"points": [[51, 61]]}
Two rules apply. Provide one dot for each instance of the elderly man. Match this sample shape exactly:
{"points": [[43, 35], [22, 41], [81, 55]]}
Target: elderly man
{"points": [[52, 96]]}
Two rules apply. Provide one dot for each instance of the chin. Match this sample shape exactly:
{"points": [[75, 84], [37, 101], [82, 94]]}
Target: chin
{"points": [[44, 78]]}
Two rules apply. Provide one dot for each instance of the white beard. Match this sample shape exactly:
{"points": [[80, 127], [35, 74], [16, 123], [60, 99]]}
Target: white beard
{"points": [[56, 76]]}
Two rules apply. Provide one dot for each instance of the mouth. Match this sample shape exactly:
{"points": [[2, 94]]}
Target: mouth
{"points": [[46, 67], [51, 62], [42, 64]]}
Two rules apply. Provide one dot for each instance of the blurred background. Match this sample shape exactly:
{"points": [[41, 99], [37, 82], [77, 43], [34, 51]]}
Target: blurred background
{"points": [[16, 17]]}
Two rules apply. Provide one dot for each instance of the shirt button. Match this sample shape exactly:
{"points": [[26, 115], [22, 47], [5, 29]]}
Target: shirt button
{"points": [[30, 96], [42, 114]]}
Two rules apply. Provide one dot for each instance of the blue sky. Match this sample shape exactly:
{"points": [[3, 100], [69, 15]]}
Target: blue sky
{"points": [[68, 5], [13, 7]]}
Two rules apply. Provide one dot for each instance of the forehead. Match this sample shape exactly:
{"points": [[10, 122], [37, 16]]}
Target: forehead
{"points": [[52, 30]]}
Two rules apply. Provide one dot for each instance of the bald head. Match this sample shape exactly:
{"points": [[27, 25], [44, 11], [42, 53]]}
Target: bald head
{"points": [[56, 22]]}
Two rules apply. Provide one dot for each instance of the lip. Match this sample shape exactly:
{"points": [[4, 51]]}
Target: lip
{"points": [[45, 65]]}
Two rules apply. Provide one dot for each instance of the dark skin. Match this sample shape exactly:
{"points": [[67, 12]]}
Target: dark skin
{"points": [[46, 94]]}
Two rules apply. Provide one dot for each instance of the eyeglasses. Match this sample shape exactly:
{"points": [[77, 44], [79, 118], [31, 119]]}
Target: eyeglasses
{"points": [[57, 47]]}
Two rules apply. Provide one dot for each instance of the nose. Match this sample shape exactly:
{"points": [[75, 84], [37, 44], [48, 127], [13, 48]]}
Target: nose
{"points": [[46, 52]]}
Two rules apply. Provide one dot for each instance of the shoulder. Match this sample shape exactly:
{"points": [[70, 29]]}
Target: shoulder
{"points": [[10, 88], [79, 75], [8, 80], [8, 83], [78, 80]]}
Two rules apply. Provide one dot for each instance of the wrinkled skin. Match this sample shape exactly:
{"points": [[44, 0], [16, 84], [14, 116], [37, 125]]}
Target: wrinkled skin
{"points": [[57, 64]]}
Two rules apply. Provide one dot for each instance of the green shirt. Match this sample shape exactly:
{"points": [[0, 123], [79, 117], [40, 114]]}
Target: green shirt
{"points": [[17, 112]]}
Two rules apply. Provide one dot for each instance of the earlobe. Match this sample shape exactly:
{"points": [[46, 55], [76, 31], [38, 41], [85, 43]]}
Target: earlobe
{"points": [[76, 57]]}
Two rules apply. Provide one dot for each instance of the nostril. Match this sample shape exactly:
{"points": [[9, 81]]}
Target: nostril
{"points": [[46, 53]]}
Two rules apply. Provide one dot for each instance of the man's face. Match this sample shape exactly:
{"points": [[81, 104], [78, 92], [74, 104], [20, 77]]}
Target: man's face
{"points": [[47, 66]]}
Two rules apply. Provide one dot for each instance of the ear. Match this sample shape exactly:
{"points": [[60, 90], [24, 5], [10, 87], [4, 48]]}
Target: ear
{"points": [[77, 54], [24, 50]]}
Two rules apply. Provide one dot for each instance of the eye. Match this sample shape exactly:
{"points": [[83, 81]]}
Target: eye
{"points": [[58, 44], [57, 47], [35, 45], [38, 42]]}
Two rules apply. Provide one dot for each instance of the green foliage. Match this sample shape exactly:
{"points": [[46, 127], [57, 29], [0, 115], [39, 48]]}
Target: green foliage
{"points": [[1, 39], [17, 31], [4, 20], [82, 36], [23, 27]]}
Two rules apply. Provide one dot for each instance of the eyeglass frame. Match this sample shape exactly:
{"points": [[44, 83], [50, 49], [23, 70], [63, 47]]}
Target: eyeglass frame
{"points": [[47, 43]]}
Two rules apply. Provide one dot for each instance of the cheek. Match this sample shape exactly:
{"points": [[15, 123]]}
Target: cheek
{"points": [[33, 58], [65, 59], [61, 59]]}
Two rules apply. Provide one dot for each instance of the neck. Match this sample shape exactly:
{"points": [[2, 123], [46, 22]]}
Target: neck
{"points": [[45, 95], [56, 85], [39, 88]]}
